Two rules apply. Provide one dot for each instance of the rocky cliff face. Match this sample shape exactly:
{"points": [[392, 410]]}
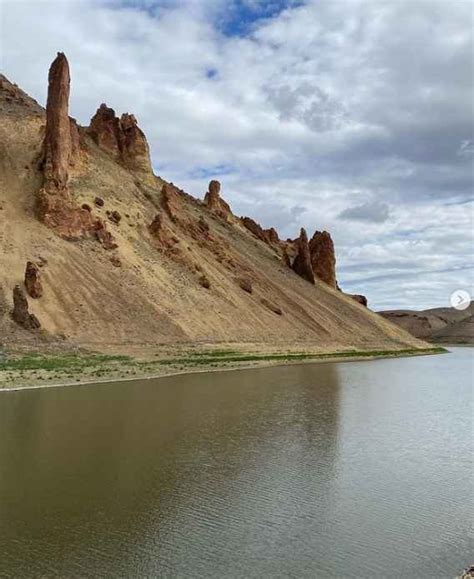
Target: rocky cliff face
{"points": [[323, 258], [302, 263]]}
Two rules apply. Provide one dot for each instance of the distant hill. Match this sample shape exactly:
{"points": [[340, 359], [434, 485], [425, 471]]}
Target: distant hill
{"points": [[441, 325], [98, 250]]}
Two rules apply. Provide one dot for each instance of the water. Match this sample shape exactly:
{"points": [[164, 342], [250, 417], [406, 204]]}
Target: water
{"points": [[333, 470]]}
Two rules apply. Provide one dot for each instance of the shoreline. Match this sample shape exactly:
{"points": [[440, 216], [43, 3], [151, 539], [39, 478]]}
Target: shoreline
{"points": [[268, 363]]}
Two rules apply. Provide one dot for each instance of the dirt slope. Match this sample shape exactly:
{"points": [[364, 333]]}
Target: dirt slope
{"points": [[142, 293]]}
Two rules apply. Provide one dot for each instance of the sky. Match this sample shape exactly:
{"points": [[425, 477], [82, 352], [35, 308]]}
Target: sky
{"points": [[353, 116]]}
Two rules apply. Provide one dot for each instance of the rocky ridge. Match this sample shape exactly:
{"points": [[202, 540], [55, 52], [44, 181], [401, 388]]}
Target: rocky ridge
{"points": [[167, 267]]}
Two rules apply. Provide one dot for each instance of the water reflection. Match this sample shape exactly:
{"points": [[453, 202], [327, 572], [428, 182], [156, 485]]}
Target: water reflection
{"points": [[254, 473]]}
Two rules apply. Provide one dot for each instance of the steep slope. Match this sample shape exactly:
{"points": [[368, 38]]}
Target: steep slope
{"points": [[149, 264], [446, 325]]}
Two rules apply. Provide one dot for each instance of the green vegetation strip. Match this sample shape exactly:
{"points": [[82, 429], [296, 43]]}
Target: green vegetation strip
{"points": [[59, 363], [80, 362], [203, 359]]}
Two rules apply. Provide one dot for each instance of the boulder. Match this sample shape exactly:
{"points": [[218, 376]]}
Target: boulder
{"points": [[302, 263], [20, 313], [246, 284], [323, 258], [33, 284]]}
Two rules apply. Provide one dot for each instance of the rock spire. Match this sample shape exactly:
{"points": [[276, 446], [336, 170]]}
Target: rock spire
{"points": [[302, 262]]}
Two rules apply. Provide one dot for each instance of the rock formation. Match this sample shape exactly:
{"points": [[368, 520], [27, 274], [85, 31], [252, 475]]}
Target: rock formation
{"points": [[359, 298], [171, 203], [135, 153], [214, 201], [57, 141], [55, 206], [253, 227], [271, 235], [33, 283], [20, 313], [122, 138], [302, 263], [323, 259]]}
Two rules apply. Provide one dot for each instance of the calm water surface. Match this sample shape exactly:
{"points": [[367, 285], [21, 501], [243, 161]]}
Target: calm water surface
{"points": [[334, 470]]}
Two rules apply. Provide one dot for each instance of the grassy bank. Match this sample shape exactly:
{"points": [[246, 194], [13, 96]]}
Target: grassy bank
{"points": [[37, 369]]}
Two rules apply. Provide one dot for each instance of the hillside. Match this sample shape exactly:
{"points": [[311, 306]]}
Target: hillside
{"points": [[440, 325], [119, 257]]}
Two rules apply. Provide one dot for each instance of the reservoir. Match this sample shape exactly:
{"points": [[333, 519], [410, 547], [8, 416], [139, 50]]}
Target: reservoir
{"points": [[360, 469]]}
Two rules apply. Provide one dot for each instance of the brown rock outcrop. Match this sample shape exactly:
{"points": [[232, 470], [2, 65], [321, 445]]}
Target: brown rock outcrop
{"points": [[20, 313], [253, 227], [33, 283], [122, 138], [105, 129], [302, 263], [214, 201], [323, 258], [135, 152], [161, 232], [359, 298], [171, 203], [271, 235]]}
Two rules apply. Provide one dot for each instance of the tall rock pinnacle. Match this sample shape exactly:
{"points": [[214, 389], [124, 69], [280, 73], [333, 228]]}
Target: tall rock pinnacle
{"points": [[302, 263], [57, 141], [323, 257]]}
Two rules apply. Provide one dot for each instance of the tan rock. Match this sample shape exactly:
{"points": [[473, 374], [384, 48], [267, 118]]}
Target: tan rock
{"points": [[214, 201]]}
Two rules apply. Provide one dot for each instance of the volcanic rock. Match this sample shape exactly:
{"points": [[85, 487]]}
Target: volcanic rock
{"points": [[20, 313], [323, 258], [99, 202], [33, 283], [302, 263]]}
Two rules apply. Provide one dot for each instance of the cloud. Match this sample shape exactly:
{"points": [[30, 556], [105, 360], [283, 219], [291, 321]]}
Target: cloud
{"points": [[375, 212], [312, 113]]}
